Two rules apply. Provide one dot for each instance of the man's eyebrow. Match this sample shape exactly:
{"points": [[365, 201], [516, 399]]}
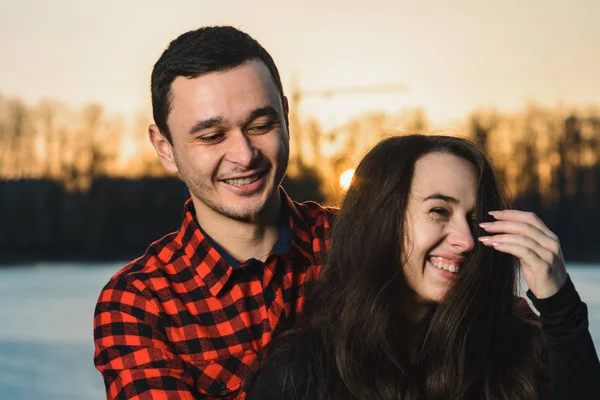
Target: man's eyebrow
{"points": [[439, 196], [205, 124], [266, 111]]}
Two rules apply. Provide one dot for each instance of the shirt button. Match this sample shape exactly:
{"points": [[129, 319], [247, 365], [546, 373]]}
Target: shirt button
{"points": [[221, 385], [280, 247]]}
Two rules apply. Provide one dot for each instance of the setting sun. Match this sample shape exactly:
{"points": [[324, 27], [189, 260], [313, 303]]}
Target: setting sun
{"points": [[346, 178]]}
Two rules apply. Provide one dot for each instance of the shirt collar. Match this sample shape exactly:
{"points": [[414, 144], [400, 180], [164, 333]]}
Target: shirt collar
{"points": [[211, 262]]}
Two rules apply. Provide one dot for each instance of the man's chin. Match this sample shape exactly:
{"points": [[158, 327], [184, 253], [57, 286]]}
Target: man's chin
{"points": [[247, 208], [244, 215], [244, 210]]}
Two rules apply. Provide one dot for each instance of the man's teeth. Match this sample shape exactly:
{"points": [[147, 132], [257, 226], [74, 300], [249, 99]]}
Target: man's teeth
{"points": [[446, 266], [243, 181]]}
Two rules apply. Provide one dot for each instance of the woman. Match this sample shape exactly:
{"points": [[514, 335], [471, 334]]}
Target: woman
{"points": [[417, 298]]}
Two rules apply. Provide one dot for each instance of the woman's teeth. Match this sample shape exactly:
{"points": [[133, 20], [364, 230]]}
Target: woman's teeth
{"points": [[243, 181], [446, 265]]}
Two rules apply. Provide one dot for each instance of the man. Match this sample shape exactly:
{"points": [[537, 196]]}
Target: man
{"points": [[187, 319]]}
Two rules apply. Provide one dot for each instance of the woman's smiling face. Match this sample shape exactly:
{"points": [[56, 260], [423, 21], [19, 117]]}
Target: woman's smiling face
{"points": [[438, 224]]}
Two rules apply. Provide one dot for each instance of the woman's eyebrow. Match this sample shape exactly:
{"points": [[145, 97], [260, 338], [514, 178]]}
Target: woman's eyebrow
{"points": [[439, 196]]}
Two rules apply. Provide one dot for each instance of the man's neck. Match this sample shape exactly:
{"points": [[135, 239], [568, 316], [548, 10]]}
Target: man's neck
{"points": [[242, 239]]}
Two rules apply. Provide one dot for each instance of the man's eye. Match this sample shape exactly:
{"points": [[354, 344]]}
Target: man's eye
{"points": [[260, 129], [211, 138]]}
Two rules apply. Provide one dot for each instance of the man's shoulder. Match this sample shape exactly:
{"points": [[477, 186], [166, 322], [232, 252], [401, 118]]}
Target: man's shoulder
{"points": [[153, 264], [315, 222], [314, 213]]}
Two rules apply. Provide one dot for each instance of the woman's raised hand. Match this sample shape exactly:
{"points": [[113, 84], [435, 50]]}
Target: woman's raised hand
{"points": [[526, 237]]}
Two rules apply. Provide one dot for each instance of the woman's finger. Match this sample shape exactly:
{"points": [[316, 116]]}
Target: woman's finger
{"points": [[543, 253], [522, 229], [525, 254], [526, 217]]}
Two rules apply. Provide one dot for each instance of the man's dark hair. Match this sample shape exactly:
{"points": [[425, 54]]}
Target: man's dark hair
{"points": [[198, 52]]}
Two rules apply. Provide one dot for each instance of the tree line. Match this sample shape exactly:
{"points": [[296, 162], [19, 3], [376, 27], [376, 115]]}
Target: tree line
{"points": [[82, 184]]}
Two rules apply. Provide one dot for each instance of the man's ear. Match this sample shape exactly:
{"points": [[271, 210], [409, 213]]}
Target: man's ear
{"points": [[163, 148], [286, 112]]}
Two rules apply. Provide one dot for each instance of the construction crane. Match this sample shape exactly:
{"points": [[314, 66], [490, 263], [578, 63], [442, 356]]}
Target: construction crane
{"points": [[298, 95]]}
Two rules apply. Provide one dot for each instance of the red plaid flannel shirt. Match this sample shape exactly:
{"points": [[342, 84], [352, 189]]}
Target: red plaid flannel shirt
{"points": [[185, 322]]}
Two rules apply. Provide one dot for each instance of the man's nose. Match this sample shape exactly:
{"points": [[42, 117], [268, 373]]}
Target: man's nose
{"points": [[241, 150]]}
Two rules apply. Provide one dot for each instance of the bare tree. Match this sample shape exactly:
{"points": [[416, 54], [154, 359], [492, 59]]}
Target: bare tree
{"points": [[20, 142]]}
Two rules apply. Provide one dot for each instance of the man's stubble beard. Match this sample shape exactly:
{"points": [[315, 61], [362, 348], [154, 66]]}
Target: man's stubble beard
{"points": [[207, 195]]}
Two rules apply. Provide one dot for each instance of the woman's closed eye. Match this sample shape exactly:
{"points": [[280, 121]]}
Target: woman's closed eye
{"points": [[474, 225], [474, 221], [440, 212]]}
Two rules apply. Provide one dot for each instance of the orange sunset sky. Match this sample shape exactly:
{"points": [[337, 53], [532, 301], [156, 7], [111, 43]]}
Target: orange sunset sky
{"points": [[453, 56]]}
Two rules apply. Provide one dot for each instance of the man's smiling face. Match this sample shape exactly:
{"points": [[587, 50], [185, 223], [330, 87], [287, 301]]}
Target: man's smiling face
{"points": [[230, 140]]}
